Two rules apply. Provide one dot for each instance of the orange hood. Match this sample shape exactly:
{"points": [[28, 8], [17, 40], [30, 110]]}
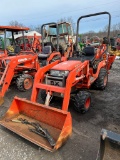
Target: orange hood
{"points": [[67, 65]]}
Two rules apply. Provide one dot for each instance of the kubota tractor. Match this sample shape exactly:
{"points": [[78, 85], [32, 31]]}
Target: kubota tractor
{"points": [[16, 65], [72, 78], [49, 127], [19, 69], [8, 46]]}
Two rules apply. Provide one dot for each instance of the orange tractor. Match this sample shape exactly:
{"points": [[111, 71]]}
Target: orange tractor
{"points": [[16, 65], [67, 78], [72, 77], [8, 46], [19, 69], [32, 41]]}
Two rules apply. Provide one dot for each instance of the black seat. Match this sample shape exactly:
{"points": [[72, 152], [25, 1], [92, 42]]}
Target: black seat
{"points": [[88, 53], [46, 51]]}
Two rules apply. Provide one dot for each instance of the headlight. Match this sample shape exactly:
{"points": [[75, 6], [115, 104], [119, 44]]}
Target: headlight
{"points": [[59, 73]]}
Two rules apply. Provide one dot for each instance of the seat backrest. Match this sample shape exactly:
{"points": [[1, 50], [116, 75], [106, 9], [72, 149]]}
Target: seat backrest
{"points": [[46, 49], [49, 44], [17, 49], [89, 51]]}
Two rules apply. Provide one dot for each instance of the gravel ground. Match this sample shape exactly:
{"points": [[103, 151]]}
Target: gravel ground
{"points": [[84, 142]]}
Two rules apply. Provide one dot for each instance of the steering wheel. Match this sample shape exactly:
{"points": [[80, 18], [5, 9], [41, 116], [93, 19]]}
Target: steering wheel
{"points": [[95, 41]]}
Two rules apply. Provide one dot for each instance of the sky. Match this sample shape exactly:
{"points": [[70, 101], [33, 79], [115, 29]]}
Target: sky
{"points": [[37, 12]]}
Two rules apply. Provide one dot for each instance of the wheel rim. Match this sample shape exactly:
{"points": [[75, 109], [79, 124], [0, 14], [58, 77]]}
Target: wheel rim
{"points": [[105, 81], [27, 83], [87, 103]]}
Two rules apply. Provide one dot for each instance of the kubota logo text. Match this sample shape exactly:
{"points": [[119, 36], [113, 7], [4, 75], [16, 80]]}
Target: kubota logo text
{"points": [[22, 60]]}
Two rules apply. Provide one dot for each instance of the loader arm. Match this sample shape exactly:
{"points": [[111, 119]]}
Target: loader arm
{"points": [[39, 78], [6, 79], [74, 77]]}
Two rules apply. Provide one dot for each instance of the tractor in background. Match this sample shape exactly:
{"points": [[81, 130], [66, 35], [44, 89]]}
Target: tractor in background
{"points": [[115, 43], [8, 46], [115, 46], [66, 40], [32, 41], [56, 37], [16, 65]]}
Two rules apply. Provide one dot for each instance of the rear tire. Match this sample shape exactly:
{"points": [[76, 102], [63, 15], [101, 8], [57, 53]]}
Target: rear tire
{"points": [[24, 82], [82, 101], [102, 80]]}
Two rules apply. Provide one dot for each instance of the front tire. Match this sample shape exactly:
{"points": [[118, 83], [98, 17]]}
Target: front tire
{"points": [[102, 80], [82, 101], [24, 82]]}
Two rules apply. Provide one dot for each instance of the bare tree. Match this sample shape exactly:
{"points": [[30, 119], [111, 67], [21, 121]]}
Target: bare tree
{"points": [[16, 23], [38, 28], [35, 28], [32, 28], [70, 20]]}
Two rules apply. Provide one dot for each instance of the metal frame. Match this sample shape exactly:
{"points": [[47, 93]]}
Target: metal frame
{"points": [[91, 15], [42, 32], [13, 29]]}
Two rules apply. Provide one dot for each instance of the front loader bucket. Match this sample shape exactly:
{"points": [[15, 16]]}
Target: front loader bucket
{"points": [[57, 122], [109, 146]]}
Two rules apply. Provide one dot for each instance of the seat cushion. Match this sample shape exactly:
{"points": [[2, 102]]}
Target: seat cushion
{"points": [[89, 51], [43, 56], [82, 58], [46, 51], [12, 54]]}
